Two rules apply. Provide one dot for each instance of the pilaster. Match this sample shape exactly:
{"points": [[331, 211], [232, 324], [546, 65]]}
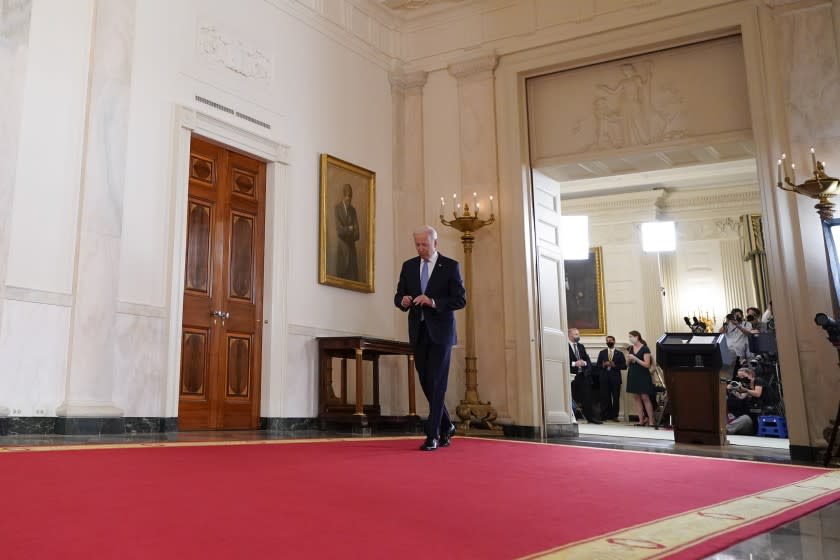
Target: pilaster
{"points": [[475, 79], [15, 18], [808, 64], [409, 181], [88, 405]]}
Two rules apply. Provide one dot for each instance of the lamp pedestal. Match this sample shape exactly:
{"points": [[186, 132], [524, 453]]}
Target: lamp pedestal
{"points": [[476, 416]]}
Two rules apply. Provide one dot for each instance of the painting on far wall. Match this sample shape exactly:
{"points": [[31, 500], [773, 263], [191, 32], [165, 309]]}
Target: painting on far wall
{"points": [[585, 294], [348, 200]]}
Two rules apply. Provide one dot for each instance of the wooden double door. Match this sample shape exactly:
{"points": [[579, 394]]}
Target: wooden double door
{"points": [[222, 314]]}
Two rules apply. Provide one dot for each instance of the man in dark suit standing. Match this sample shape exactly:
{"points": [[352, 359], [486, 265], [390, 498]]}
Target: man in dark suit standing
{"points": [[430, 288], [610, 361], [582, 369], [347, 224]]}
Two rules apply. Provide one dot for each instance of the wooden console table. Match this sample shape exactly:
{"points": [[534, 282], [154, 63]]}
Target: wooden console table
{"points": [[333, 408]]}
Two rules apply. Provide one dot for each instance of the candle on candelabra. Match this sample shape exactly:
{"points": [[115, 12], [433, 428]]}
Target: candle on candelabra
{"points": [[458, 208], [475, 200], [779, 172], [491, 205], [814, 159], [793, 173], [476, 209], [442, 204]]}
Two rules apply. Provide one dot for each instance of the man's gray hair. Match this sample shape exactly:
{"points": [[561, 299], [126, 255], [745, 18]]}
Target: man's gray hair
{"points": [[427, 230]]}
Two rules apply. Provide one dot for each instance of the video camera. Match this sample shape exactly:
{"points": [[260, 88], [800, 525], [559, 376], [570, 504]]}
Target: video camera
{"points": [[830, 326], [738, 384], [697, 327]]}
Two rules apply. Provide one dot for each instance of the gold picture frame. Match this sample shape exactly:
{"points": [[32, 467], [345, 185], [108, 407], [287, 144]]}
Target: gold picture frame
{"points": [[585, 308], [347, 226]]}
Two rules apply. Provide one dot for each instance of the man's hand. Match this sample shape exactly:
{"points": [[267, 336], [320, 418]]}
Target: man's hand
{"points": [[405, 301], [424, 301], [580, 363]]}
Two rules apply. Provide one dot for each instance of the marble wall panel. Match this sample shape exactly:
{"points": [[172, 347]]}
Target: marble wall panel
{"points": [[140, 365], [33, 354], [300, 387], [42, 231]]}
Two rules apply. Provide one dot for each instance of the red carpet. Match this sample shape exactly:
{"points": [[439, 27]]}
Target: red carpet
{"points": [[381, 498]]}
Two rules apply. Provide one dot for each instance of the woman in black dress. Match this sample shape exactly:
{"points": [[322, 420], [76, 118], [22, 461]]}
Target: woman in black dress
{"points": [[639, 382]]}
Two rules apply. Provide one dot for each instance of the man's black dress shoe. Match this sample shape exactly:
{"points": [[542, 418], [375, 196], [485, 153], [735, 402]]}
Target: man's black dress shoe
{"points": [[447, 436], [593, 421], [429, 445]]}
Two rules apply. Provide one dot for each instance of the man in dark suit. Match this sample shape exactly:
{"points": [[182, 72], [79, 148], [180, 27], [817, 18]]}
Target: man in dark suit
{"points": [[430, 288], [610, 361], [347, 224], [582, 369]]}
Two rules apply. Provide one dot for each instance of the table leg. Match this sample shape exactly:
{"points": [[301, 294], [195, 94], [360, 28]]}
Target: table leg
{"points": [[327, 393], [343, 380], [412, 409], [360, 386], [376, 381]]}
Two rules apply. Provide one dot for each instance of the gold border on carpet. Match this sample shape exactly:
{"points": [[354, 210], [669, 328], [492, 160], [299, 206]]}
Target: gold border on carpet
{"points": [[662, 537]]}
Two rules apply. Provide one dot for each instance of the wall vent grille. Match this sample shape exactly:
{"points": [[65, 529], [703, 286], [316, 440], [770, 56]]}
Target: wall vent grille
{"points": [[215, 105], [230, 111], [253, 120]]}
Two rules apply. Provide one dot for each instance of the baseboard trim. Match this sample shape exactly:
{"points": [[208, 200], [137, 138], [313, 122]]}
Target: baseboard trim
{"points": [[45, 425]]}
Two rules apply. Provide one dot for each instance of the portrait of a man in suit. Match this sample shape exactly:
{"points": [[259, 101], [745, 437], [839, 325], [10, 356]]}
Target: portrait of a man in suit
{"points": [[347, 223], [347, 228]]}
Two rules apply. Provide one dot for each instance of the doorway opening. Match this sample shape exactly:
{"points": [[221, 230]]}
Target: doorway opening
{"points": [[636, 141]]}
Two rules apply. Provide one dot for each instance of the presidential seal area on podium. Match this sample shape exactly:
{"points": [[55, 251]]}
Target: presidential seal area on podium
{"points": [[694, 365]]}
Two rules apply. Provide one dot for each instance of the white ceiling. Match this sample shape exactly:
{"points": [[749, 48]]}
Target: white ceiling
{"points": [[722, 164]]}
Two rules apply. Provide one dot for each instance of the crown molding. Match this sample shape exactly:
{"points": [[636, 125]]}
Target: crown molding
{"points": [[362, 26]]}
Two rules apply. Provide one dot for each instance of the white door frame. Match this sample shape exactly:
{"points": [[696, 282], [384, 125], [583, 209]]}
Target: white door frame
{"points": [[190, 121]]}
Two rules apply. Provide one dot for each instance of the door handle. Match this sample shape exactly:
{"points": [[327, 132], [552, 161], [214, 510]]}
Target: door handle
{"points": [[219, 314]]}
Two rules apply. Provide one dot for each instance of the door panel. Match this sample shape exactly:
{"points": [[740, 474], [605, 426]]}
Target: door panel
{"points": [[554, 347], [221, 341]]}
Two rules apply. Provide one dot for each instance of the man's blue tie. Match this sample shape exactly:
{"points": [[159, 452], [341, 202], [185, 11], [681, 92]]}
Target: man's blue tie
{"points": [[424, 276]]}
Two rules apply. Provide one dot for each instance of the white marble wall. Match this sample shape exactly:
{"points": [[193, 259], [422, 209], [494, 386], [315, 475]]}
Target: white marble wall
{"points": [[33, 351], [139, 378], [14, 39]]}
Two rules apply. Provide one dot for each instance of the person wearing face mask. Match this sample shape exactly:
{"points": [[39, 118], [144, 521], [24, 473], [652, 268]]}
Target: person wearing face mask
{"points": [[611, 361], [581, 367], [737, 338], [639, 382]]}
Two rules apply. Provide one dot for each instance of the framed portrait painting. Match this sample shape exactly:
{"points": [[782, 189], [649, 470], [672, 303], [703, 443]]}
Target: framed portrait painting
{"points": [[348, 201], [585, 294]]}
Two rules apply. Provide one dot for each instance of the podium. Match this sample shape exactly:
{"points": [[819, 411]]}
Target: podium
{"points": [[694, 365]]}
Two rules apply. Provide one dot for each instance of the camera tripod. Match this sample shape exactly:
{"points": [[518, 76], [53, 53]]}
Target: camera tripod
{"points": [[661, 397], [774, 388]]}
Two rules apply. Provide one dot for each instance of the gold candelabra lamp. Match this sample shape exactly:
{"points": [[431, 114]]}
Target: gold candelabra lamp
{"points": [[472, 410], [820, 186]]}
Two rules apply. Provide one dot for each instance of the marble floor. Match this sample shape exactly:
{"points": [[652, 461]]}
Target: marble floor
{"points": [[812, 537]]}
